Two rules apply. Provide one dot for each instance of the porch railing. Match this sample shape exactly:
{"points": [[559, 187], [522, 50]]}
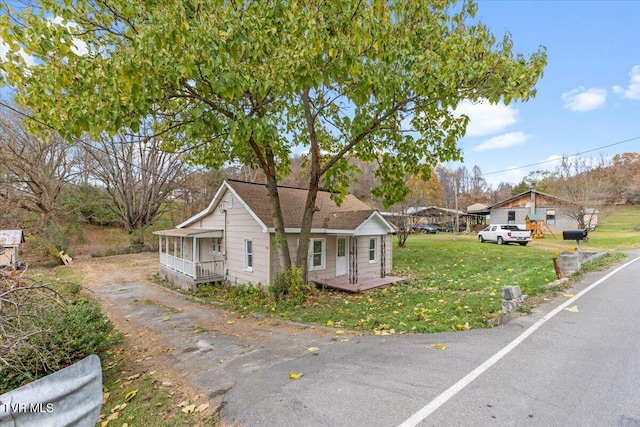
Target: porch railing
{"points": [[195, 270]]}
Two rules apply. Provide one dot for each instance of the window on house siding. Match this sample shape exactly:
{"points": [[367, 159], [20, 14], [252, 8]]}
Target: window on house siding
{"points": [[551, 216], [373, 245], [511, 217], [248, 255], [216, 245], [317, 258]]}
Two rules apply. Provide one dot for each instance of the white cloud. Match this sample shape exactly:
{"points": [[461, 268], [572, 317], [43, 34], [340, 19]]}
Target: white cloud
{"points": [[3, 49], [581, 99], [502, 141], [486, 118], [633, 90]]}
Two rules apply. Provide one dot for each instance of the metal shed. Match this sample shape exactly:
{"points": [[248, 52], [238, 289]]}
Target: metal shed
{"points": [[10, 241]]}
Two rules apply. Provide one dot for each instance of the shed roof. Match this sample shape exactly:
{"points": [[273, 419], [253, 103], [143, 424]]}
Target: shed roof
{"points": [[523, 194], [11, 237]]}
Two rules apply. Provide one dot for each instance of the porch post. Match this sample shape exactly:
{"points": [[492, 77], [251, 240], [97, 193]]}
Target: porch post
{"points": [[353, 260], [383, 256]]}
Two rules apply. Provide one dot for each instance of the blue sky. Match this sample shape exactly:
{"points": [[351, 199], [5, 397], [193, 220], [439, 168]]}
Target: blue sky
{"points": [[588, 98]]}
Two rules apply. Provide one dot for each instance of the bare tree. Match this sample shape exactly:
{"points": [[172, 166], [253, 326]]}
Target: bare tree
{"points": [[196, 191], [585, 185], [34, 170], [138, 176]]}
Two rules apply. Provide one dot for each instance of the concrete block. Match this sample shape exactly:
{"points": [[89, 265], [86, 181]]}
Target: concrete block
{"points": [[512, 293]]}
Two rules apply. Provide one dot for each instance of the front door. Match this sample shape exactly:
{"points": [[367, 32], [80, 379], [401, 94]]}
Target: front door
{"points": [[341, 256]]}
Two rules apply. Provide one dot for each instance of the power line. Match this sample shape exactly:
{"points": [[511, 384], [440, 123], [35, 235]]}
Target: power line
{"points": [[555, 160]]}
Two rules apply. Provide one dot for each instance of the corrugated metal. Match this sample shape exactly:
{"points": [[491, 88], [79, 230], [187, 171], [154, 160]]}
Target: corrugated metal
{"points": [[70, 397], [11, 237]]}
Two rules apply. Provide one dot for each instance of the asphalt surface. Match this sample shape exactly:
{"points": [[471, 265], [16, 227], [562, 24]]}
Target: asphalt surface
{"points": [[576, 368]]}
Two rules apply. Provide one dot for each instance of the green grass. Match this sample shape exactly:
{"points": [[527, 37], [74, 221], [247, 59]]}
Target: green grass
{"points": [[452, 283]]}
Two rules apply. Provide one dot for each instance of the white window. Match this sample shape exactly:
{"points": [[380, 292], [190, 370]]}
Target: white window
{"points": [[229, 202], [248, 255], [316, 254], [373, 245], [551, 216], [216, 245]]}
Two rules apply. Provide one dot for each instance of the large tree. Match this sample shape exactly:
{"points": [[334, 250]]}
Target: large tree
{"points": [[137, 175], [34, 171], [247, 81]]}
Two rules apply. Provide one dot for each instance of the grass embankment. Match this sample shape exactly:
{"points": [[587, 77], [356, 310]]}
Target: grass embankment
{"points": [[452, 283]]}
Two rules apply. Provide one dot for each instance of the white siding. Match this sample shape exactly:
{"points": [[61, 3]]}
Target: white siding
{"points": [[372, 226], [241, 226], [329, 270]]}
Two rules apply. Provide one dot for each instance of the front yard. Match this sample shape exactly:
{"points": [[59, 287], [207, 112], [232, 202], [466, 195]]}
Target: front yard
{"points": [[453, 283]]}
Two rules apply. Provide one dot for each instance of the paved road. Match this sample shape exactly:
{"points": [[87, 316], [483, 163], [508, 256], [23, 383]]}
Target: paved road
{"points": [[576, 369]]}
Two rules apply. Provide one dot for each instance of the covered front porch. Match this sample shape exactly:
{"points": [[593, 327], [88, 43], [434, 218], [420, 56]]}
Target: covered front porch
{"points": [[189, 257]]}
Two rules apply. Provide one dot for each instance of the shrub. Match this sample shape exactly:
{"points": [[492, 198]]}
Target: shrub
{"points": [[40, 333], [289, 286]]}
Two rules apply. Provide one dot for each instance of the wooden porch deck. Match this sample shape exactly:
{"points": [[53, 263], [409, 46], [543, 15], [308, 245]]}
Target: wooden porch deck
{"points": [[364, 283]]}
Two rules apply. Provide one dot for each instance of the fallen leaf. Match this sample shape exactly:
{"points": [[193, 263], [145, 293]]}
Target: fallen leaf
{"points": [[312, 349], [329, 322], [167, 383], [439, 346], [164, 319], [202, 408], [130, 395], [188, 409], [567, 295], [295, 376], [464, 327], [339, 332], [229, 322], [573, 309], [119, 407]]}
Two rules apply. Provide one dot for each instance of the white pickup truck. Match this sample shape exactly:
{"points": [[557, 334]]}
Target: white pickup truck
{"points": [[505, 233]]}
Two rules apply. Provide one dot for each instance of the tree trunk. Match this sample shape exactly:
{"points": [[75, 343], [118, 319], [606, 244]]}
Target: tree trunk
{"points": [[305, 228], [276, 214], [314, 183]]}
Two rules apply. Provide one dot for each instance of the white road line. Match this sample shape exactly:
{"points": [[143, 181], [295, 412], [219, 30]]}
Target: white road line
{"points": [[468, 379]]}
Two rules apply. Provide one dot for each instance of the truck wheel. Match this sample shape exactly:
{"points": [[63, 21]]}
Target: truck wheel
{"points": [[523, 243], [481, 239], [500, 241]]}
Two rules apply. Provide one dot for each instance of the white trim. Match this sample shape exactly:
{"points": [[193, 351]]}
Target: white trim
{"points": [[375, 214], [374, 249], [323, 254], [214, 203], [345, 256], [248, 267], [215, 245]]}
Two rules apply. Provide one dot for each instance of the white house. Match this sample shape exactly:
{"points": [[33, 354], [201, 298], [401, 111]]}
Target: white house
{"points": [[233, 240]]}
